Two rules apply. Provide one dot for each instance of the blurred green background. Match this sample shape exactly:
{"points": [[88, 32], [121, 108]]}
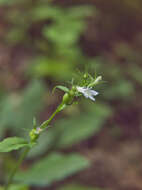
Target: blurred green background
{"points": [[43, 44]]}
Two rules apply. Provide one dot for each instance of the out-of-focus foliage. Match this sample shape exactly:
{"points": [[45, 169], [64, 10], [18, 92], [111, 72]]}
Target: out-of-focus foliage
{"points": [[53, 168], [78, 187], [6, 2], [59, 33], [28, 104], [59, 30], [70, 131], [59, 38], [74, 130]]}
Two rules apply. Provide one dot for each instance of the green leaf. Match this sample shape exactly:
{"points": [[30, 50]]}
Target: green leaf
{"points": [[32, 103], [53, 168], [120, 89], [44, 12], [12, 143], [75, 129], [64, 34], [44, 66], [63, 88], [17, 110]]}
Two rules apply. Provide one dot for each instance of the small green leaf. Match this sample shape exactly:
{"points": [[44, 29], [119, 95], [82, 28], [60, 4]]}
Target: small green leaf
{"points": [[53, 168], [63, 88], [12, 143], [34, 123]]}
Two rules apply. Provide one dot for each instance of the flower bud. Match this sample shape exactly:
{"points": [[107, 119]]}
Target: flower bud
{"points": [[66, 98], [98, 79], [85, 76], [95, 82], [73, 89]]}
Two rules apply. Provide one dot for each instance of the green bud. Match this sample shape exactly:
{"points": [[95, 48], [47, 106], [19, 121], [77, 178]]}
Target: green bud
{"points": [[66, 98], [71, 93], [85, 75], [95, 82], [33, 135], [98, 79], [73, 89]]}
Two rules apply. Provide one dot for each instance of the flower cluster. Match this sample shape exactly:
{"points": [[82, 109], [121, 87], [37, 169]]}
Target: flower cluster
{"points": [[83, 87], [87, 90]]}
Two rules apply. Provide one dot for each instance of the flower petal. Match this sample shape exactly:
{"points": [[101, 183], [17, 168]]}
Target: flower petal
{"points": [[92, 98], [86, 95], [80, 89], [94, 93], [87, 92]]}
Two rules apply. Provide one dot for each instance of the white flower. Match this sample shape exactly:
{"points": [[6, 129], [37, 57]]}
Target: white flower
{"points": [[87, 92]]}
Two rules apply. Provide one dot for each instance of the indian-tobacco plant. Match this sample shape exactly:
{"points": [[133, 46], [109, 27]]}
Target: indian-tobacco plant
{"points": [[84, 87]]}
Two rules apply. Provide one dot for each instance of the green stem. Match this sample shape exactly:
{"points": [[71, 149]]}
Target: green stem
{"points": [[22, 157], [46, 123]]}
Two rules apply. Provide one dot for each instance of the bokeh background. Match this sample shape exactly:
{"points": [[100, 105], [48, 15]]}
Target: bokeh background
{"points": [[43, 44]]}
